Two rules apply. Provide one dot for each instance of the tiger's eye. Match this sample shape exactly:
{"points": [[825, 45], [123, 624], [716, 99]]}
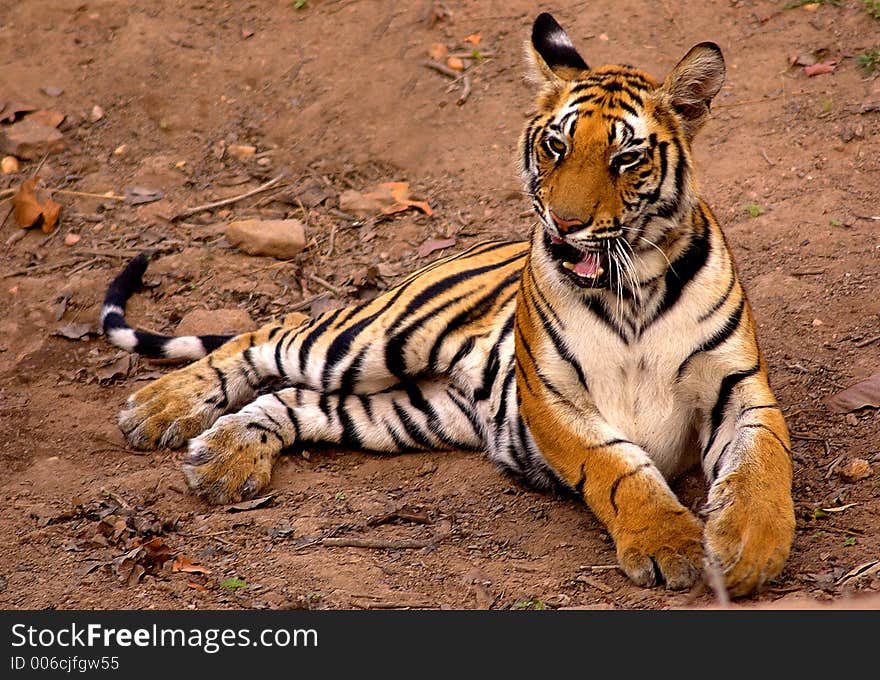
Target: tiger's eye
{"points": [[556, 145], [627, 157]]}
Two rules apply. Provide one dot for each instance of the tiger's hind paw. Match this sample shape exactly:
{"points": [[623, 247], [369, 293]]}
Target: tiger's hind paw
{"points": [[232, 461], [171, 410]]}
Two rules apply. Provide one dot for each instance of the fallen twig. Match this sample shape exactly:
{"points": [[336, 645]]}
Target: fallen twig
{"points": [[393, 604], [465, 90], [87, 194], [442, 68], [767, 158], [326, 284], [302, 304], [868, 341], [377, 543], [227, 201], [45, 267], [715, 579]]}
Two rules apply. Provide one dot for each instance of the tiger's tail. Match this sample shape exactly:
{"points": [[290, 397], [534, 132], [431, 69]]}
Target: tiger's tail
{"points": [[150, 345]]}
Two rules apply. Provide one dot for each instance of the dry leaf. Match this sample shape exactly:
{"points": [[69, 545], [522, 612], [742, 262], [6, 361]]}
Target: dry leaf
{"points": [[473, 39], [50, 117], [455, 64], [74, 331], [861, 395], [438, 51], [855, 470], [120, 367], [386, 198], [433, 244], [821, 67], [29, 211], [251, 504], [9, 110], [186, 565], [139, 195]]}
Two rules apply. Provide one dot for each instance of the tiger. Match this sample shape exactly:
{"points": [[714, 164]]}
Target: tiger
{"points": [[605, 356]]}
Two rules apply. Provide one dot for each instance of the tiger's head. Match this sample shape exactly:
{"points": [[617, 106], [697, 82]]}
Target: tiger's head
{"points": [[606, 159]]}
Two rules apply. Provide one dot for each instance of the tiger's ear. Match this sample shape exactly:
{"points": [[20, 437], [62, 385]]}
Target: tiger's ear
{"points": [[554, 57], [693, 83]]}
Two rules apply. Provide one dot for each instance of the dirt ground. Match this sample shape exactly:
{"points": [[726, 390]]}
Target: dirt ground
{"points": [[334, 95]]}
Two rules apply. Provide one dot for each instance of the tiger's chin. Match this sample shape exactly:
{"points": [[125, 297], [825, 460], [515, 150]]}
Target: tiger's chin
{"points": [[584, 268]]}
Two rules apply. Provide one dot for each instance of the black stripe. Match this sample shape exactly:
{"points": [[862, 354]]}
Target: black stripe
{"points": [[472, 313], [279, 368], [412, 428], [755, 408], [721, 335], [682, 271], [350, 438], [493, 363], [720, 302], [761, 426], [291, 416], [559, 344], [616, 484], [224, 401], [306, 347], [263, 428], [367, 405], [468, 412], [724, 391]]}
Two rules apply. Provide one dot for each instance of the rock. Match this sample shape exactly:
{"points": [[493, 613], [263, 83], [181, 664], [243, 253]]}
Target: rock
{"points": [[242, 151], [96, 114], [855, 470], [215, 322], [282, 239], [30, 140], [9, 165]]}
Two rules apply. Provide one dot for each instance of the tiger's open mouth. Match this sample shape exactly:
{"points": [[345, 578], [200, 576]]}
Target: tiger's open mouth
{"points": [[585, 268]]}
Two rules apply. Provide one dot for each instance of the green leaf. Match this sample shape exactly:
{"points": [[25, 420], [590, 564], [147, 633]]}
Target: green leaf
{"points": [[753, 209], [233, 584]]}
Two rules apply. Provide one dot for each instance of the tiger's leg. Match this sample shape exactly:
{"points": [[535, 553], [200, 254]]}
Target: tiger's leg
{"points": [[183, 403], [656, 537], [750, 513], [234, 458]]}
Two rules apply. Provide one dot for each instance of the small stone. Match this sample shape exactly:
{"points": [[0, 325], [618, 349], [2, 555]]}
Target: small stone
{"points": [[120, 150], [855, 470], [52, 90], [215, 322], [282, 239], [852, 420], [9, 165], [29, 140], [242, 151], [96, 114], [817, 323], [263, 162], [72, 239]]}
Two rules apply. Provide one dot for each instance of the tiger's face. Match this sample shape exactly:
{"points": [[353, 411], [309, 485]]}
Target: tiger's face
{"points": [[606, 159]]}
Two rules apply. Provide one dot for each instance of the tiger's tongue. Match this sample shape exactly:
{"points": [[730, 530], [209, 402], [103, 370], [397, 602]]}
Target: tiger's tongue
{"points": [[587, 266]]}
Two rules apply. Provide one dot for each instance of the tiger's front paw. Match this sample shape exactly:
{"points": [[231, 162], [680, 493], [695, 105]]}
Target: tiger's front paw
{"points": [[233, 460], [749, 532], [667, 549], [172, 409]]}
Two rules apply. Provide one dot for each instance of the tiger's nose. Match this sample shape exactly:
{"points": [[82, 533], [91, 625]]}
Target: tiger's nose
{"points": [[567, 226]]}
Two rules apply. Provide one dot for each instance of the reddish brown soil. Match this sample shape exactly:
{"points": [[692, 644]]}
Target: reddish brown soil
{"points": [[335, 96]]}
